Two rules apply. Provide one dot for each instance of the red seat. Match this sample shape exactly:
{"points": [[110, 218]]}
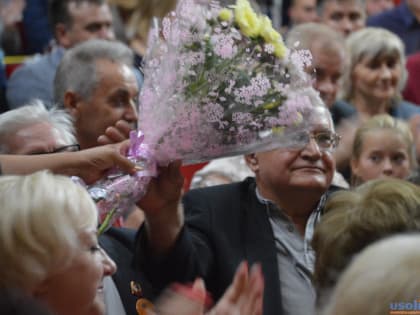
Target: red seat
{"points": [[188, 172], [11, 63]]}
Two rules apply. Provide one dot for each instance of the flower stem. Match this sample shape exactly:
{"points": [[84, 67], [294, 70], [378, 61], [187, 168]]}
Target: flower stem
{"points": [[104, 225]]}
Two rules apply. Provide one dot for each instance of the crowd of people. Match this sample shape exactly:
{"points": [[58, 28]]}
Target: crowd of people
{"points": [[326, 226]]}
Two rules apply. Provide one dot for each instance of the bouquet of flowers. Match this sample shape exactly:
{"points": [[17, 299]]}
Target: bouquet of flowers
{"points": [[218, 82]]}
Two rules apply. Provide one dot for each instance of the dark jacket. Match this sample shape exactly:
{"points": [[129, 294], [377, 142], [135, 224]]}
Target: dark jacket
{"points": [[118, 243], [224, 225]]}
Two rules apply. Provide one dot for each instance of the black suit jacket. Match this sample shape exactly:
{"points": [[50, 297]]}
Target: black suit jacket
{"points": [[118, 243], [224, 225]]}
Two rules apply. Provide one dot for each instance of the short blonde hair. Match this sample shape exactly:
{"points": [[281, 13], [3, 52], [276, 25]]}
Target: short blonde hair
{"points": [[371, 42], [41, 218], [385, 273], [355, 219]]}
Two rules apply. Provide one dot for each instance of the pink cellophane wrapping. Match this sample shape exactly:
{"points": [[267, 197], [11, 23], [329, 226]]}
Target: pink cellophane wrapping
{"points": [[210, 91], [119, 192]]}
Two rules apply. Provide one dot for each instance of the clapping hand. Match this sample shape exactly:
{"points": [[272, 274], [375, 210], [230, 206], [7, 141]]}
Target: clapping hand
{"points": [[243, 297]]}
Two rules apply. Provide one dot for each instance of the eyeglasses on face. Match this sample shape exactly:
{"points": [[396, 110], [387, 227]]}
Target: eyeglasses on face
{"points": [[65, 148], [326, 140]]}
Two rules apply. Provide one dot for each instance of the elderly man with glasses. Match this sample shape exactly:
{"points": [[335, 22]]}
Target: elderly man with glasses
{"points": [[33, 129], [268, 219]]}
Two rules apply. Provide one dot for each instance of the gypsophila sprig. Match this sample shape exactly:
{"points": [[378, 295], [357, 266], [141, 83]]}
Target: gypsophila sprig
{"points": [[216, 80]]}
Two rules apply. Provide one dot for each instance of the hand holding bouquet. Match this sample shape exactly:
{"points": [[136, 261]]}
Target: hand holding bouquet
{"points": [[218, 82]]}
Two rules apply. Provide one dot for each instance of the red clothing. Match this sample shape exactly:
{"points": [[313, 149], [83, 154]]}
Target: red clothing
{"points": [[188, 173], [411, 92]]}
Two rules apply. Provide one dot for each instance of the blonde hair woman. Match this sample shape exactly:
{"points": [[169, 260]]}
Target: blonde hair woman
{"points": [[356, 218], [48, 243], [49, 250], [383, 147], [383, 279]]}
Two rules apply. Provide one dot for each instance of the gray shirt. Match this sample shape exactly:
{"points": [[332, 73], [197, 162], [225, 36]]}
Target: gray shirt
{"points": [[112, 298], [295, 259]]}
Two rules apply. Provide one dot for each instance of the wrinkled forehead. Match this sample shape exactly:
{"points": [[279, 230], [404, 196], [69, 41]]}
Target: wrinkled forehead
{"points": [[320, 119]]}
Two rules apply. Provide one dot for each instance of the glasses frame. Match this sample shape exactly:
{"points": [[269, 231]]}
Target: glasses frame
{"points": [[335, 140]]}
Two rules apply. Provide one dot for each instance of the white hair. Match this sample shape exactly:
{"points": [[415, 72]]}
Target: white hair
{"points": [[41, 219], [34, 113]]}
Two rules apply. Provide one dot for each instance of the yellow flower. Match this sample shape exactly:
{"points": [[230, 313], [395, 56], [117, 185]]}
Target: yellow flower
{"points": [[247, 20], [271, 105], [299, 119], [279, 49], [278, 130], [267, 31], [225, 15]]}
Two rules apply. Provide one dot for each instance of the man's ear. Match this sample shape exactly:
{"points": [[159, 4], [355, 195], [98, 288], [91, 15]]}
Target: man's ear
{"points": [[252, 161], [71, 103], [61, 35]]}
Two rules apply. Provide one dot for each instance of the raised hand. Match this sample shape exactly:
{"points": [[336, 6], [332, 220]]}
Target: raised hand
{"points": [[245, 295]]}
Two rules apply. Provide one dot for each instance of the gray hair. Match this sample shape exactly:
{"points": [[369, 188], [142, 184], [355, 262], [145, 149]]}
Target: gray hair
{"points": [[40, 224], [303, 36], [77, 70], [371, 42], [31, 114]]}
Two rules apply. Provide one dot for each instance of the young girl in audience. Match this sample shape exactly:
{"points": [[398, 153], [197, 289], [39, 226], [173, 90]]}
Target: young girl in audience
{"points": [[383, 147]]}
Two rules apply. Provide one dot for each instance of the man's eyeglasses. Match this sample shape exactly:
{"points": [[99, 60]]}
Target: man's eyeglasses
{"points": [[326, 140], [65, 148]]}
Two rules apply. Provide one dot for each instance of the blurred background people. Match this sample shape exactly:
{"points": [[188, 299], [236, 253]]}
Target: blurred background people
{"points": [[137, 17], [97, 86], [371, 284], [374, 7], [345, 16], [302, 11], [298, 12], [11, 14], [356, 218], [372, 84], [403, 21], [329, 59], [58, 260], [72, 21]]}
